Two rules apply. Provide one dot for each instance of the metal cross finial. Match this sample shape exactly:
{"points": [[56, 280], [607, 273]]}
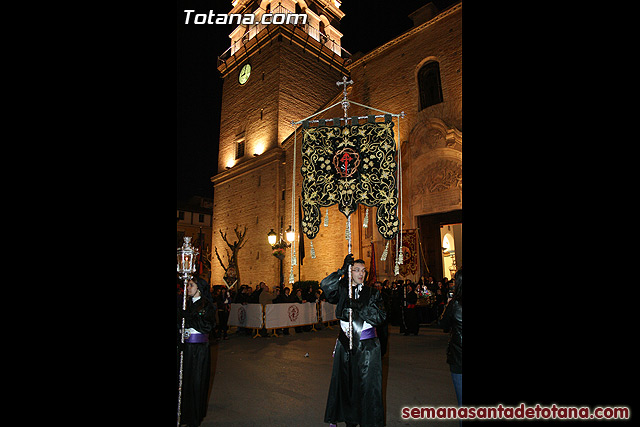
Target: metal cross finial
{"points": [[345, 103]]}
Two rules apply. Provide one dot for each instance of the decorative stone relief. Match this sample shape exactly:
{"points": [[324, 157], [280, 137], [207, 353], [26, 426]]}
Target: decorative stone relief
{"points": [[443, 175]]}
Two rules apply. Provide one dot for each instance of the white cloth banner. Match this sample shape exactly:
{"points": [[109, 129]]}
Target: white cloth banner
{"points": [[327, 311], [290, 314], [246, 316]]}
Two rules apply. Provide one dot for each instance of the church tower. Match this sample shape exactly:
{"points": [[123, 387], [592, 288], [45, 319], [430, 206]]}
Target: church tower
{"points": [[273, 74], [276, 73]]}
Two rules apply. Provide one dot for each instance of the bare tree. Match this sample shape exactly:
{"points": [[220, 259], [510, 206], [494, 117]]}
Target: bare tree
{"points": [[231, 271]]}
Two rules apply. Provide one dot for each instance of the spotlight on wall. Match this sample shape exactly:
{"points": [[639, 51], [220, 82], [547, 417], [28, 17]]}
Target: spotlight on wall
{"points": [[258, 149]]}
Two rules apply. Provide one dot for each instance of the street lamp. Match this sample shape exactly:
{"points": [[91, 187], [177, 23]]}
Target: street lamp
{"points": [[271, 236], [290, 235], [186, 268], [278, 243]]}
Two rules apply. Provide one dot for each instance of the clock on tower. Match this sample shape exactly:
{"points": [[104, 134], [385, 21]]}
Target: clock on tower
{"points": [[245, 72]]}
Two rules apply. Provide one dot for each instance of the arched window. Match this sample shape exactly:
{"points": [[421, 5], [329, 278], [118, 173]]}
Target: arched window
{"points": [[323, 35], [429, 85]]}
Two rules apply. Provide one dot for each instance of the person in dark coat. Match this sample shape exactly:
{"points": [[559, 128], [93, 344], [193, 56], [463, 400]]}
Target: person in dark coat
{"points": [[223, 302], [297, 298], [255, 296], [199, 321], [355, 389], [451, 321], [282, 298], [410, 315]]}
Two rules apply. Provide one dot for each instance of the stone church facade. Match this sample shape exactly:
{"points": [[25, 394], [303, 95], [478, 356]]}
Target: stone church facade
{"points": [[293, 74]]}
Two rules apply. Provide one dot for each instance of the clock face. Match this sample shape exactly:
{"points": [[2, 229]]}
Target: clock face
{"points": [[245, 72]]}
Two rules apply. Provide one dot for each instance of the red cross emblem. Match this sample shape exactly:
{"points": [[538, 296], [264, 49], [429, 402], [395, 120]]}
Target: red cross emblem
{"points": [[346, 162]]}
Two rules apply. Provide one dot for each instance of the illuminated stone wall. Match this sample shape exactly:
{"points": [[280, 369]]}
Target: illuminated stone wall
{"points": [[296, 84]]}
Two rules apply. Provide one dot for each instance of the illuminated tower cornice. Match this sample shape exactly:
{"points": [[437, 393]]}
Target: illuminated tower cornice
{"points": [[319, 36]]}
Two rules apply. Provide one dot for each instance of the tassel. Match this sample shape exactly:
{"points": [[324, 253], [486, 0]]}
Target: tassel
{"points": [[291, 279], [313, 250], [396, 270], [326, 218], [385, 253], [365, 223], [293, 258], [400, 256]]}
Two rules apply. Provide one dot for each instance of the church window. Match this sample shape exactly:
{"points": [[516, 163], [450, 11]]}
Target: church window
{"points": [[429, 85]]}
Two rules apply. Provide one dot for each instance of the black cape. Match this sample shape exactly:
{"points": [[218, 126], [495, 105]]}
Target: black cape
{"points": [[196, 363], [411, 324], [355, 390]]}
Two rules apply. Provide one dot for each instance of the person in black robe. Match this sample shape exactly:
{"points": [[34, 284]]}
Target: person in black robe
{"points": [[410, 315], [199, 321], [355, 390], [451, 321]]}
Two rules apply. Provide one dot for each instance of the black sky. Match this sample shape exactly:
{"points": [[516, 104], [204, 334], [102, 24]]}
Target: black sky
{"points": [[366, 25]]}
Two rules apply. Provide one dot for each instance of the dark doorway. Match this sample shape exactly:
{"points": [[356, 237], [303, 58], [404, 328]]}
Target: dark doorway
{"points": [[431, 241]]}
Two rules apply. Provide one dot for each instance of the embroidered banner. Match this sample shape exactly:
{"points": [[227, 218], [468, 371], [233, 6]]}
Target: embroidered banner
{"points": [[350, 165], [409, 252]]}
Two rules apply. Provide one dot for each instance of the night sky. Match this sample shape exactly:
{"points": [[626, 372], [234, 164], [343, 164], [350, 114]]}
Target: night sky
{"points": [[367, 24]]}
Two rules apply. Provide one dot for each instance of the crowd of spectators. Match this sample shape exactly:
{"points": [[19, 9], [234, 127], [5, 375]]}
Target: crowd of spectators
{"points": [[428, 296], [408, 304]]}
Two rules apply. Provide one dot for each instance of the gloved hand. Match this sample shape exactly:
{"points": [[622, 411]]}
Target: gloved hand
{"points": [[348, 260], [353, 303]]}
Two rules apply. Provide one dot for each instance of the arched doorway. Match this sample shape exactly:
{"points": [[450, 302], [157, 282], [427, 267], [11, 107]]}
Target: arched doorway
{"points": [[449, 261], [433, 229]]}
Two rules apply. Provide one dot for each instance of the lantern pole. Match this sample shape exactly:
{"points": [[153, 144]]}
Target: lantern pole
{"points": [[186, 267]]}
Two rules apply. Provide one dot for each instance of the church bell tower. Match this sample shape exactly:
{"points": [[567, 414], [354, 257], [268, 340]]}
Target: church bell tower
{"points": [[273, 74], [276, 73]]}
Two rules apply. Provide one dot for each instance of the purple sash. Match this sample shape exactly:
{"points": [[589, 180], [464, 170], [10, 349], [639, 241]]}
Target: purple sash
{"points": [[368, 333], [196, 338]]}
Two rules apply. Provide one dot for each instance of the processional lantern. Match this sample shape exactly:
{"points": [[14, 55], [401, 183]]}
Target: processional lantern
{"points": [[186, 259], [186, 267]]}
